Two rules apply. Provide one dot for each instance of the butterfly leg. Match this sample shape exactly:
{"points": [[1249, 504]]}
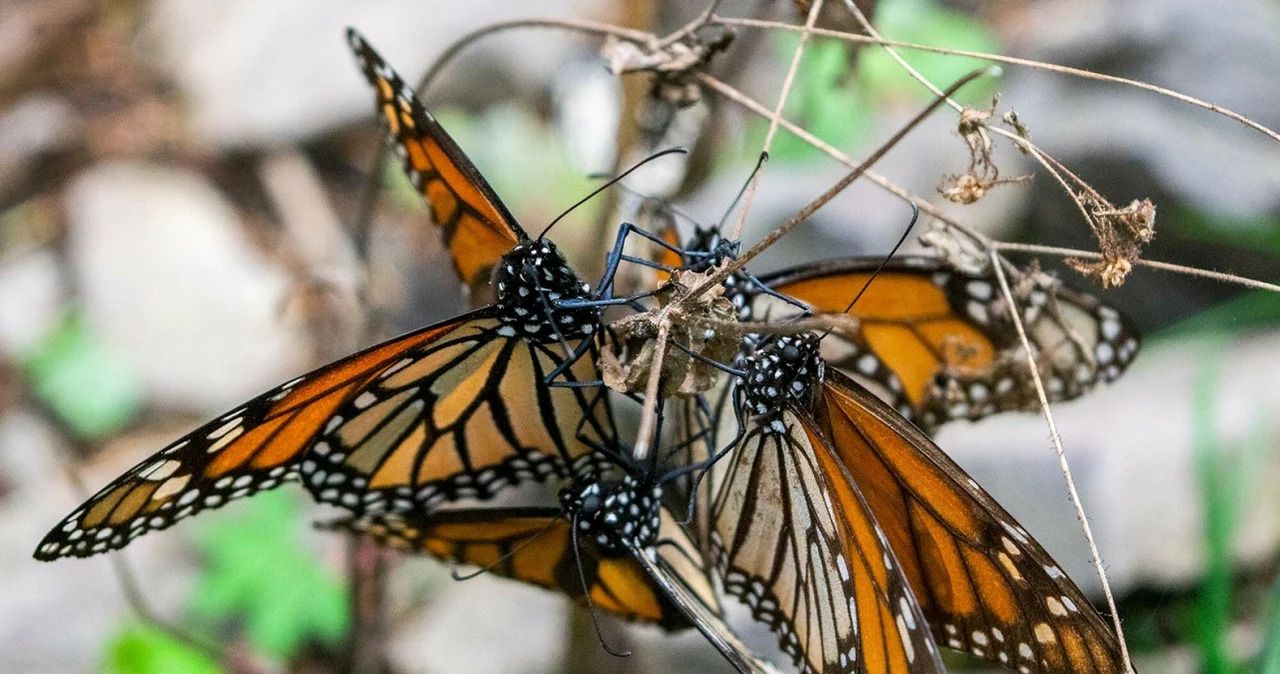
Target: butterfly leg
{"points": [[708, 361], [616, 256]]}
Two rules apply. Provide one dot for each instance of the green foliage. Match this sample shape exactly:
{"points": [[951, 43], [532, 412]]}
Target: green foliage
{"points": [[1256, 233], [262, 576], [1227, 478], [824, 99], [928, 22], [834, 96], [142, 649], [1250, 310], [1270, 659], [90, 387]]}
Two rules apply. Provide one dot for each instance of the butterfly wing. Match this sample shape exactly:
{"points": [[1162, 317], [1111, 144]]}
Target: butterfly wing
{"points": [[255, 447], [793, 539], [532, 545], [939, 344], [460, 417], [681, 589], [986, 586], [478, 228], [300, 429]]}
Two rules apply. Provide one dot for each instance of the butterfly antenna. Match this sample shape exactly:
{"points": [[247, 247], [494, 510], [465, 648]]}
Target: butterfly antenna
{"points": [[481, 571], [586, 591], [611, 182], [915, 215], [764, 157]]}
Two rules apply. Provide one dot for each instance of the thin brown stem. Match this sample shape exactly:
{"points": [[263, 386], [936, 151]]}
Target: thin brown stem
{"points": [[1052, 168], [1016, 313], [755, 106], [688, 28], [996, 58], [649, 411], [809, 23], [893, 53], [818, 323], [1153, 264]]}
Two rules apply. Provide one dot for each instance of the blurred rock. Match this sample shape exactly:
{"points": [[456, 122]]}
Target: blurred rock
{"points": [[59, 615], [1131, 448], [256, 72], [168, 278], [33, 125], [1222, 52], [31, 292], [486, 625]]}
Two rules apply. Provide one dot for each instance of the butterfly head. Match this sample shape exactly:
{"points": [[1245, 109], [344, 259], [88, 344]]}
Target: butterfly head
{"points": [[532, 280], [616, 515], [711, 249], [781, 373]]}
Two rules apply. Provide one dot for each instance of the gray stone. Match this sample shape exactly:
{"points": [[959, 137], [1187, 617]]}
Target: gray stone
{"points": [[168, 277], [255, 72], [31, 300]]}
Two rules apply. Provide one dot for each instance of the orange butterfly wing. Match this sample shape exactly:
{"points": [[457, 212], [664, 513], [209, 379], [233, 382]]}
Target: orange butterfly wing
{"points": [[531, 545], [986, 586], [939, 344], [253, 448], [478, 228], [448, 411], [793, 539]]}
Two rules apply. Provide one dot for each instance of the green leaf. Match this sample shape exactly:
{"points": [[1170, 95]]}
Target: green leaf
{"points": [[1270, 657], [142, 649], [824, 100], [1253, 233], [260, 575], [927, 22], [91, 388], [1213, 616]]}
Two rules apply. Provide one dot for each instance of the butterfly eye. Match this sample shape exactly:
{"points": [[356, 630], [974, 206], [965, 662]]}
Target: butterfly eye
{"points": [[790, 353], [590, 504]]}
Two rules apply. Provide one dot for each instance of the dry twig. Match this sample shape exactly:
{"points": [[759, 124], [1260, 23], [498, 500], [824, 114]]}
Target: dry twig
{"points": [[997, 265]]}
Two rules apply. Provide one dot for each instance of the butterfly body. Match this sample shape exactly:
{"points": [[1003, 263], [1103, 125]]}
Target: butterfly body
{"points": [[618, 515], [776, 378], [532, 282]]}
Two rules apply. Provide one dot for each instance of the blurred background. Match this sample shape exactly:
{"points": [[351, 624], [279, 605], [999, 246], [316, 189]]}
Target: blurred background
{"points": [[180, 183]]}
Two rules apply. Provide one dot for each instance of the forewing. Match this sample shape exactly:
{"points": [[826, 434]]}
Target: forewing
{"points": [[794, 542], [460, 417], [939, 344], [986, 586], [255, 447], [478, 228]]}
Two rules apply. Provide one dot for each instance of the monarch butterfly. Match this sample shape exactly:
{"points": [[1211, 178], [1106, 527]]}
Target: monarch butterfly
{"points": [[460, 408], [611, 545], [940, 343], [936, 342], [966, 568]]}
